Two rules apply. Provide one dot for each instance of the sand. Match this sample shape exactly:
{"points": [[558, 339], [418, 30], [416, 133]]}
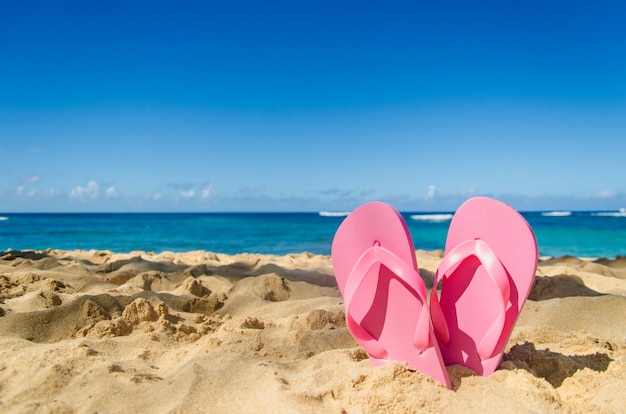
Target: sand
{"points": [[94, 331]]}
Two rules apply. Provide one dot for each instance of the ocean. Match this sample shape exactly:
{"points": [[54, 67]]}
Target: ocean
{"points": [[559, 233]]}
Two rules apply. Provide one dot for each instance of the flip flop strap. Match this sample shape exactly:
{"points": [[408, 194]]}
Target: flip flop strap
{"points": [[403, 272], [498, 275]]}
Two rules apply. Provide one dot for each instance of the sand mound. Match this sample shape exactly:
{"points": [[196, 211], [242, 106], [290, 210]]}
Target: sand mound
{"points": [[95, 331]]}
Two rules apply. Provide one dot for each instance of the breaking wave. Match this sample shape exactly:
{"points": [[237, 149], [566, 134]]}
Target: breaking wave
{"points": [[334, 213], [556, 213], [434, 218], [620, 213]]}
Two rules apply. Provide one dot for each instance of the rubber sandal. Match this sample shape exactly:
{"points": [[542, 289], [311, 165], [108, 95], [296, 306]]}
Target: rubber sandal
{"points": [[384, 297], [486, 273]]}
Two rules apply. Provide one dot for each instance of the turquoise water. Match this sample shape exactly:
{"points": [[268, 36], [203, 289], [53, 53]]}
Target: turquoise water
{"points": [[587, 234]]}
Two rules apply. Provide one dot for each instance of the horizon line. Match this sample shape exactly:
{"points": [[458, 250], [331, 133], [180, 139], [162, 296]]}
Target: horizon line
{"points": [[286, 212]]}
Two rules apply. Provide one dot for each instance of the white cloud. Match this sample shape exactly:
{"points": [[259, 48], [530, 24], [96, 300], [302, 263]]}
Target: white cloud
{"points": [[110, 192], [469, 193], [21, 191], [187, 193], [91, 190], [157, 196], [51, 192], [607, 194], [431, 192], [31, 179], [253, 189], [207, 191]]}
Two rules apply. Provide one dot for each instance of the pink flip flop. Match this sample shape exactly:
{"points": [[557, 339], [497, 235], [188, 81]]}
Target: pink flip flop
{"points": [[487, 272], [384, 297]]}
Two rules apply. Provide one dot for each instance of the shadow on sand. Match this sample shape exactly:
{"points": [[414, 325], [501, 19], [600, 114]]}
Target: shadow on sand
{"points": [[552, 366]]}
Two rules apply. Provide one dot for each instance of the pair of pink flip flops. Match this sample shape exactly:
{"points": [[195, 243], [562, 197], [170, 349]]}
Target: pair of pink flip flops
{"points": [[487, 273]]}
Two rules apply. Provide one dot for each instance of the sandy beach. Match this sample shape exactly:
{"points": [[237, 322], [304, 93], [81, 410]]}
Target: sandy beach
{"points": [[94, 331]]}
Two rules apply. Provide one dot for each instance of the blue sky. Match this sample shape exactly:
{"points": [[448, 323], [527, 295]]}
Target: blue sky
{"points": [[311, 105]]}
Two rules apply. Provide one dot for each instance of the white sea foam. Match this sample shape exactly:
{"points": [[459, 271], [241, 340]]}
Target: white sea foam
{"points": [[620, 213], [435, 218], [334, 213], [556, 213], [4, 218]]}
